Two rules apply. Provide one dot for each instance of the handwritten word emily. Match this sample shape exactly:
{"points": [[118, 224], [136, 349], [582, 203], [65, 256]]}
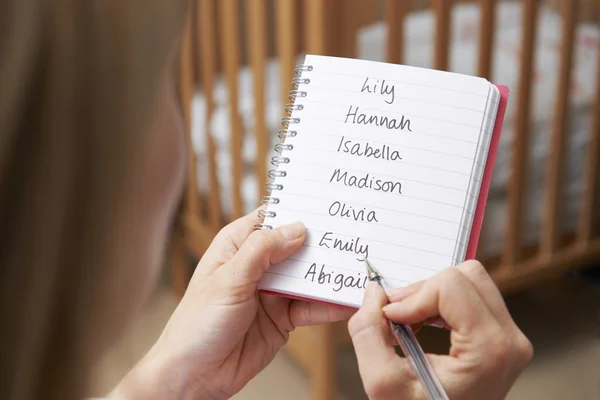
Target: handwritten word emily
{"points": [[339, 280], [365, 182], [366, 150], [379, 88], [346, 211], [377, 120], [351, 246]]}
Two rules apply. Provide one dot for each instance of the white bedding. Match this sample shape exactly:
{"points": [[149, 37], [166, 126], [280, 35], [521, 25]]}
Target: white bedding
{"points": [[463, 55]]}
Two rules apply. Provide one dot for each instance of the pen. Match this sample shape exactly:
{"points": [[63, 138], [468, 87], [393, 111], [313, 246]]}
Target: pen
{"points": [[411, 347]]}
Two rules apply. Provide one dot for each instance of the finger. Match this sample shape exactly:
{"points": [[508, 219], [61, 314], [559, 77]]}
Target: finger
{"points": [[256, 255], [400, 293], [305, 313], [492, 297], [227, 242], [382, 371], [451, 296], [369, 329], [488, 291]]}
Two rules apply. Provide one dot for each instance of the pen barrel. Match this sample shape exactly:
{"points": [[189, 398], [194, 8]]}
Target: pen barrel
{"points": [[416, 357]]}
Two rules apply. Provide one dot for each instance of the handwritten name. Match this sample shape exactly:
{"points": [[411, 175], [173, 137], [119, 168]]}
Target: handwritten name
{"points": [[366, 182], [357, 117], [382, 152], [378, 87], [339, 280], [350, 246], [346, 211]]}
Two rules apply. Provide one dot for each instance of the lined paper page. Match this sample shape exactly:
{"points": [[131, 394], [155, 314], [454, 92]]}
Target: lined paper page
{"points": [[386, 164]]}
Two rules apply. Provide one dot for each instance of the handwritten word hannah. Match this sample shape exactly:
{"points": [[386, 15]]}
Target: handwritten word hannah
{"points": [[377, 120]]}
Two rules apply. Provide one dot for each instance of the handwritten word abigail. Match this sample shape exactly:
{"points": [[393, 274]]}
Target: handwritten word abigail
{"points": [[339, 280]]}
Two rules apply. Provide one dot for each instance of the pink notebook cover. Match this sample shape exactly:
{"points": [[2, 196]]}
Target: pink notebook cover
{"points": [[483, 191]]}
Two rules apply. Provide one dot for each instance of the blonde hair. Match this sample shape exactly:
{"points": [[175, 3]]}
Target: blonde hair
{"points": [[78, 80]]}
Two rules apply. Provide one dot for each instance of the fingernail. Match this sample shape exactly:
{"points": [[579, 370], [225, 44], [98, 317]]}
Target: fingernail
{"points": [[370, 291], [390, 306], [292, 231], [397, 291]]}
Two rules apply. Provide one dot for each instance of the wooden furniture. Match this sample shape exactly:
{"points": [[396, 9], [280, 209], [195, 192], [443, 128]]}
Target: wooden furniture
{"points": [[213, 46]]}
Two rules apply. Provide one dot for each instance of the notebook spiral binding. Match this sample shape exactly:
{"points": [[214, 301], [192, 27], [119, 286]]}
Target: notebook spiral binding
{"points": [[284, 133]]}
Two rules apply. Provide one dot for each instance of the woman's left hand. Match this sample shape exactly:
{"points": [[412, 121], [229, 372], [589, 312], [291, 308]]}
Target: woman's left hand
{"points": [[224, 332]]}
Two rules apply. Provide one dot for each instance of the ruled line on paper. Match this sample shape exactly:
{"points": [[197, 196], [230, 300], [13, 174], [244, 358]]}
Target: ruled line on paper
{"points": [[452, 239], [356, 271], [396, 113], [387, 112], [382, 193], [374, 207], [404, 132], [381, 259], [304, 279], [321, 71], [388, 176], [312, 133], [428, 251], [380, 242], [412, 100]]}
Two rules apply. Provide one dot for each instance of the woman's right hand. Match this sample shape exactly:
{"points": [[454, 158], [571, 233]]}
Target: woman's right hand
{"points": [[488, 351]]}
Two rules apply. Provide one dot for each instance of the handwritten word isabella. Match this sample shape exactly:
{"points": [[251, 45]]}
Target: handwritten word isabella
{"points": [[382, 152]]}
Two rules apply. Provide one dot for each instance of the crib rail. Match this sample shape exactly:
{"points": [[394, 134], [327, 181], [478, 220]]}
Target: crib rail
{"points": [[224, 36]]}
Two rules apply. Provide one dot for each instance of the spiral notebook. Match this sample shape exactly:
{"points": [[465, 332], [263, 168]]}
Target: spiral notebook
{"points": [[383, 161]]}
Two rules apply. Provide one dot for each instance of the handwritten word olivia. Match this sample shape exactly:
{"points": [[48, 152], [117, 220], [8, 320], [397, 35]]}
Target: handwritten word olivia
{"points": [[377, 120], [340, 280], [351, 246], [377, 88], [366, 150], [365, 182], [346, 211]]}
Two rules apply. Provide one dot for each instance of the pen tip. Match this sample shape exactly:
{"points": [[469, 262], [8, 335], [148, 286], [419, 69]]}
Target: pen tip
{"points": [[371, 271]]}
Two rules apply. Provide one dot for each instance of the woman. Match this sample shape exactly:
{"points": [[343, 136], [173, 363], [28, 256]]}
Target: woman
{"points": [[91, 169]]}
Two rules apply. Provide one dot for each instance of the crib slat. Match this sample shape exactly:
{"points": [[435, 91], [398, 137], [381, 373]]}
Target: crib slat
{"points": [[395, 11], [516, 185], [556, 159], [315, 26], [208, 66], [230, 53], [486, 37], [348, 15], [592, 173], [257, 48], [286, 26], [442, 10], [186, 92]]}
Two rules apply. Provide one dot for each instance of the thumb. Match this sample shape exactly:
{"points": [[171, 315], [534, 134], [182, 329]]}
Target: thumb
{"points": [[260, 250]]}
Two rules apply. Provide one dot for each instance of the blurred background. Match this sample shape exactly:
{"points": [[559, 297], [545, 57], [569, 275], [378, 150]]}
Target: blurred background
{"points": [[540, 239]]}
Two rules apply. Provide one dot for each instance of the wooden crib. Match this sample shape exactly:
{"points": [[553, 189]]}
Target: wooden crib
{"points": [[224, 35]]}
